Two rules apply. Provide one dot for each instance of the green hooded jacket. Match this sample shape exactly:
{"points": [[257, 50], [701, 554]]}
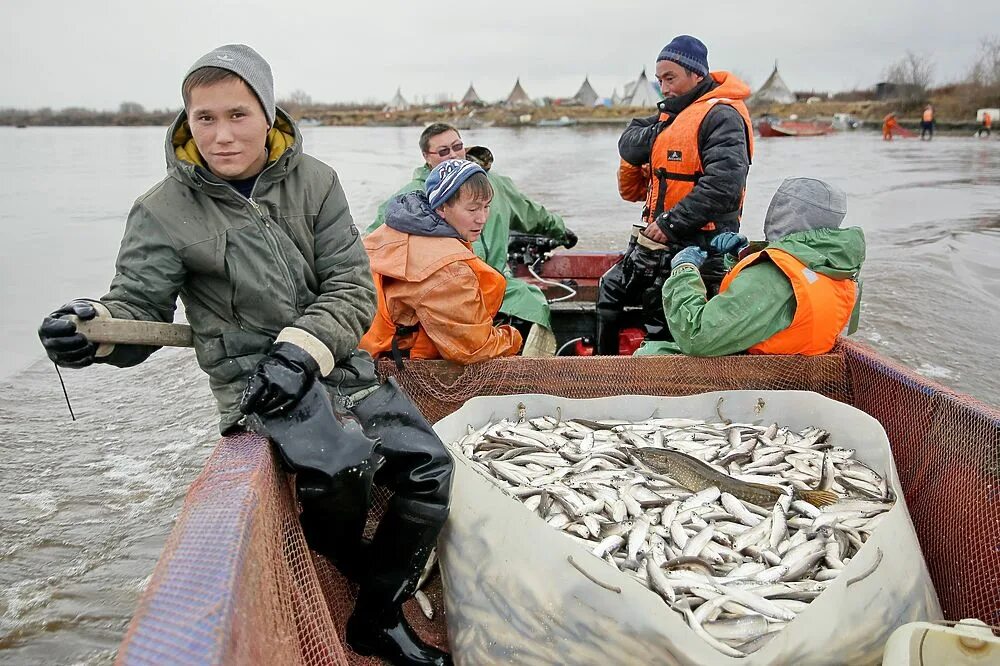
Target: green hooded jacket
{"points": [[510, 209], [758, 303], [287, 262]]}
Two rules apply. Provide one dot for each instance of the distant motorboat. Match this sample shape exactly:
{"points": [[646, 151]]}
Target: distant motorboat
{"points": [[563, 121], [846, 121], [775, 127]]}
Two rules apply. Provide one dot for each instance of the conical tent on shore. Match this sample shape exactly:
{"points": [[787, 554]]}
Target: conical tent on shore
{"points": [[517, 96], [586, 95], [471, 97], [397, 103], [641, 93], [774, 91]]}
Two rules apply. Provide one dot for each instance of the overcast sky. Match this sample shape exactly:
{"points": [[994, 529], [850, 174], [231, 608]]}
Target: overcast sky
{"points": [[96, 54]]}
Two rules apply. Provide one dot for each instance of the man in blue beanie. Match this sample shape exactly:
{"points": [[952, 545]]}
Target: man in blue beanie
{"points": [[688, 164]]}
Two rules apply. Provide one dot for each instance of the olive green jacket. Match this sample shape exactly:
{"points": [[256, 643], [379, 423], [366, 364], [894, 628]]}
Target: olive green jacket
{"points": [[286, 264], [510, 209]]}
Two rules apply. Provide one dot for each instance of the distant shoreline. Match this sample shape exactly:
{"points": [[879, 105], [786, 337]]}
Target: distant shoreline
{"points": [[950, 117]]}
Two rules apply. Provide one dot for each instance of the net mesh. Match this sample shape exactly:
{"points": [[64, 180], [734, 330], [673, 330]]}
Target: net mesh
{"points": [[236, 582]]}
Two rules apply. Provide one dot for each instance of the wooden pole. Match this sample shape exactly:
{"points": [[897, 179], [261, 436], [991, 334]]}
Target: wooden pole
{"points": [[133, 332]]}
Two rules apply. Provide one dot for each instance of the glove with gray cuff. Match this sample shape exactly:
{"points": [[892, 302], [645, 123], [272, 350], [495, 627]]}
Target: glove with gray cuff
{"points": [[280, 380], [689, 256]]}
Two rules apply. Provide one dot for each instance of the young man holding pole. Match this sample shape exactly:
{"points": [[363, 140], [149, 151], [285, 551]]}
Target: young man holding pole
{"points": [[257, 240]]}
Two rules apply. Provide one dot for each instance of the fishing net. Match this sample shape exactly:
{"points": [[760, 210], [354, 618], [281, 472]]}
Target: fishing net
{"points": [[236, 582]]}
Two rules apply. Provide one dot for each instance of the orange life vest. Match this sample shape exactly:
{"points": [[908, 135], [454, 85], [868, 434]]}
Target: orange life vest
{"points": [[675, 161], [823, 306], [928, 115], [987, 120], [413, 341]]}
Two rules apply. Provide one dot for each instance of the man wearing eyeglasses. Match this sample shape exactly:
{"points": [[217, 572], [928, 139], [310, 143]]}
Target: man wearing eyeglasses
{"points": [[510, 209]]}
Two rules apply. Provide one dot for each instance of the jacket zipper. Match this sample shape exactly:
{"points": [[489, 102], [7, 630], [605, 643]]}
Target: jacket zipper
{"points": [[271, 239]]}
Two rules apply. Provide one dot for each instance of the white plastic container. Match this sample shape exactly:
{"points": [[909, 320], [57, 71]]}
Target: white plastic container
{"points": [[968, 643], [515, 594]]}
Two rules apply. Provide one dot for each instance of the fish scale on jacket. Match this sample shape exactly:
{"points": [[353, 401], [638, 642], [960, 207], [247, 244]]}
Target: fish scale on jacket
{"points": [[245, 269]]}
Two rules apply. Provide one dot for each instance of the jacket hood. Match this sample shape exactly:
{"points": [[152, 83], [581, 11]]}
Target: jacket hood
{"points": [[800, 204], [836, 253], [411, 213], [718, 85], [730, 86], [284, 144], [402, 256]]}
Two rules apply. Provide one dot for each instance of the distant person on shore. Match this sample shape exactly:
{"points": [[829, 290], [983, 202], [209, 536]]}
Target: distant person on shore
{"points": [[257, 240], [689, 164], [889, 125], [793, 297], [927, 123], [524, 305], [436, 298], [986, 124]]}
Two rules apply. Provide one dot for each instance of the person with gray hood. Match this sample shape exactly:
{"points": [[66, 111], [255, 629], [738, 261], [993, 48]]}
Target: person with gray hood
{"points": [[257, 240], [795, 296]]}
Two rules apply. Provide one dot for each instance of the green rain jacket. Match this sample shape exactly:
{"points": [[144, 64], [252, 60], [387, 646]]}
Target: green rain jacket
{"points": [[758, 303], [509, 210], [288, 263]]}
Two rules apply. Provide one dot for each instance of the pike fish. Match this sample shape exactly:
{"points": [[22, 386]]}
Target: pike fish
{"points": [[696, 475]]}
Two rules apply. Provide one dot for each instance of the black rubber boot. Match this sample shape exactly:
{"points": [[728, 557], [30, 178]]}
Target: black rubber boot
{"points": [[335, 464], [330, 530], [416, 466], [606, 335], [611, 301], [402, 543]]}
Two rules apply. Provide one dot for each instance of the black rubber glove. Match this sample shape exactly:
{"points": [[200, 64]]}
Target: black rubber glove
{"points": [[63, 344], [279, 381], [570, 239]]}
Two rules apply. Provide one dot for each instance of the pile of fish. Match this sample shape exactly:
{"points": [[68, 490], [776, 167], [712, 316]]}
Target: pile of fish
{"points": [[736, 526]]}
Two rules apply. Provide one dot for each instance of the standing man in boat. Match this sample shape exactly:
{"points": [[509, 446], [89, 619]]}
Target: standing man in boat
{"points": [[689, 164], [524, 305], [793, 297], [257, 240], [927, 124]]}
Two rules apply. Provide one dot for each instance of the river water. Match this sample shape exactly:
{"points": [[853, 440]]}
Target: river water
{"points": [[87, 505]]}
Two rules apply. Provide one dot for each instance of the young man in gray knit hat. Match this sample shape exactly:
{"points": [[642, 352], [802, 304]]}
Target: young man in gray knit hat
{"points": [[795, 296], [256, 239]]}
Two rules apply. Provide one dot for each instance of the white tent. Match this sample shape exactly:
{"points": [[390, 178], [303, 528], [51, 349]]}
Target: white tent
{"points": [[397, 103], [774, 91], [586, 95], [641, 93], [518, 97], [471, 97]]}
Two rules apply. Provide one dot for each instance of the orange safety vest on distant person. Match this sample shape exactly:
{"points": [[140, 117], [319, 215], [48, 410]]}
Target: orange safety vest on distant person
{"points": [[928, 115], [675, 161], [413, 341], [823, 306], [987, 120]]}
